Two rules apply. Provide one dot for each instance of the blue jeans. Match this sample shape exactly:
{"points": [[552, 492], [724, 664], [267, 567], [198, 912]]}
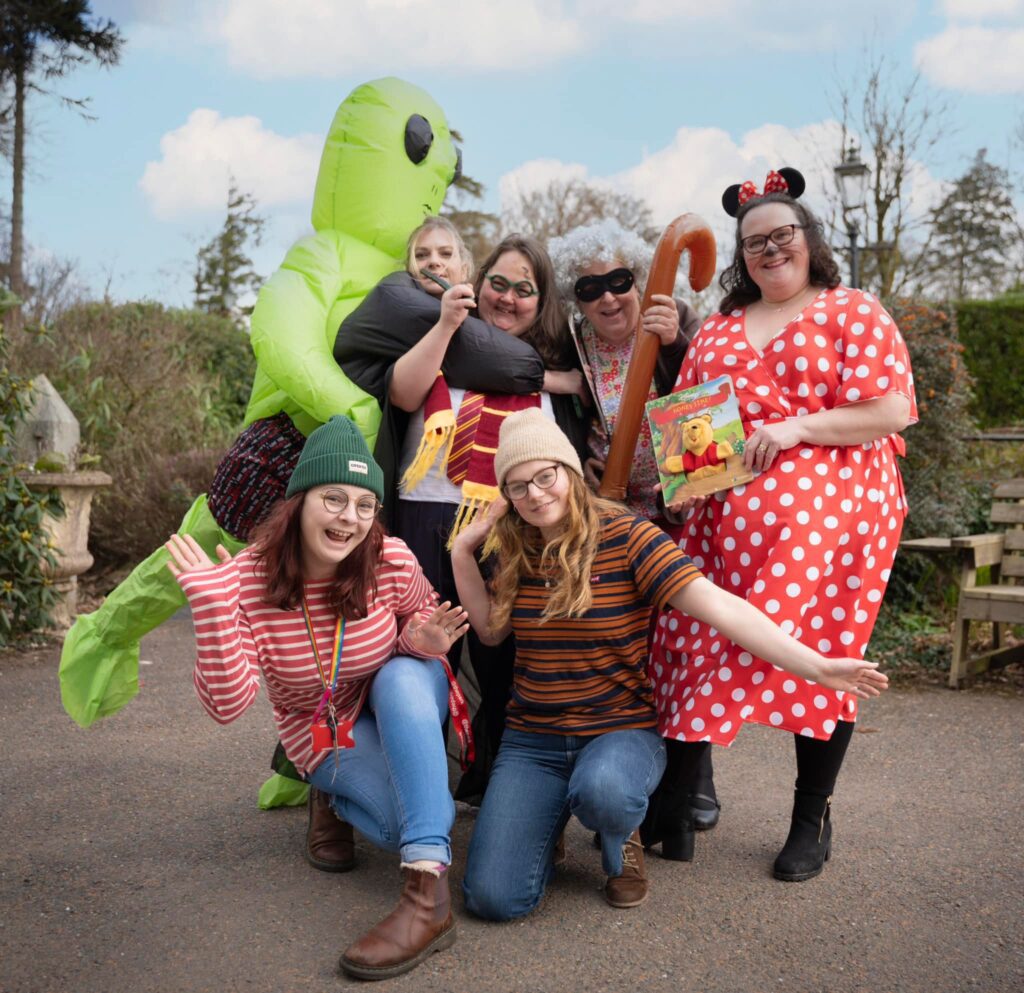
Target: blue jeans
{"points": [[393, 786], [538, 782]]}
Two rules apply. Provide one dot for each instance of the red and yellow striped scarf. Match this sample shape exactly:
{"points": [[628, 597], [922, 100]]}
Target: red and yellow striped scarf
{"points": [[467, 444]]}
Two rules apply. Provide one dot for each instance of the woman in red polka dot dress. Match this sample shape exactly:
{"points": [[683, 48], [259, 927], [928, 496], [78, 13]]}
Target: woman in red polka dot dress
{"points": [[823, 380]]}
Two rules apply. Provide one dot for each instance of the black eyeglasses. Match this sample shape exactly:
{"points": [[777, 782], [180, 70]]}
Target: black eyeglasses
{"points": [[755, 244], [543, 480], [590, 288], [337, 501], [523, 289]]}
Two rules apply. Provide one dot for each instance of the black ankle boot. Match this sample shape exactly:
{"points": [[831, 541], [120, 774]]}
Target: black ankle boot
{"points": [[669, 824], [809, 844]]}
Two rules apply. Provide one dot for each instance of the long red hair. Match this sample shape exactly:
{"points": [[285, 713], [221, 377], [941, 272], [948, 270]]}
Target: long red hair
{"points": [[277, 543]]}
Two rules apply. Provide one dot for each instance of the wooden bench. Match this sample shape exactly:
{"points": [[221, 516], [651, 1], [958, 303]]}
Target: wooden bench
{"points": [[999, 602]]}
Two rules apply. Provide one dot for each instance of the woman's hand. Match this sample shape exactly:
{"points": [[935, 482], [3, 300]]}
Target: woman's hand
{"points": [[662, 318], [568, 381], [439, 631], [474, 534], [855, 676], [762, 448], [188, 556], [456, 303], [678, 511], [593, 470]]}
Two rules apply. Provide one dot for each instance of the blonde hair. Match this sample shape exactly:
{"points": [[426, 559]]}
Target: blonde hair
{"points": [[429, 224], [523, 552]]}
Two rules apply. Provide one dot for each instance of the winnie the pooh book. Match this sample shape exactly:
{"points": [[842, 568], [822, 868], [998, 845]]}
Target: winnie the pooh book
{"points": [[698, 440]]}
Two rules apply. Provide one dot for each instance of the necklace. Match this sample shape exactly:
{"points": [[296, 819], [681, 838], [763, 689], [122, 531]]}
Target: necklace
{"points": [[788, 303]]}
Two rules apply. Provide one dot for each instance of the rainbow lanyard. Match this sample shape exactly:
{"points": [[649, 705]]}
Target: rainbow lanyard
{"points": [[327, 700]]}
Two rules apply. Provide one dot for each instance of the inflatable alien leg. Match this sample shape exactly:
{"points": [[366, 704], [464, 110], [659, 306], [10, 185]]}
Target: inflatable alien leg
{"points": [[99, 663]]}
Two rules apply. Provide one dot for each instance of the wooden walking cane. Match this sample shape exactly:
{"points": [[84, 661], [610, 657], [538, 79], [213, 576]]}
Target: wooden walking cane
{"points": [[686, 232]]}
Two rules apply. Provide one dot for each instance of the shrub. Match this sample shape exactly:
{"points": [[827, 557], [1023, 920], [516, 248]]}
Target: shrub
{"points": [[159, 394], [940, 470], [26, 594], [992, 332]]}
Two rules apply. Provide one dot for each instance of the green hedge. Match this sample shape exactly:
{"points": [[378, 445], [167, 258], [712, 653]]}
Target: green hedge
{"points": [[939, 472], [992, 333]]}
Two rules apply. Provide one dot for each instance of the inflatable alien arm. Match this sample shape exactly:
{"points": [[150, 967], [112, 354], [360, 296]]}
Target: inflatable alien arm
{"points": [[387, 163]]}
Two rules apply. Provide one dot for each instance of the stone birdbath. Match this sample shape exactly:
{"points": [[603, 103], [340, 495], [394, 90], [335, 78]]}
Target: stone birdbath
{"points": [[49, 437]]}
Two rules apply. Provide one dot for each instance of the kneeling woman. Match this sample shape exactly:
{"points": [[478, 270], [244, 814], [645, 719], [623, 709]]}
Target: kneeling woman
{"points": [[345, 630], [577, 578]]}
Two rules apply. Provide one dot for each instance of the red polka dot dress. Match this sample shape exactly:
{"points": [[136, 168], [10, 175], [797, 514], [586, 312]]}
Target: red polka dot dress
{"points": [[811, 542]]}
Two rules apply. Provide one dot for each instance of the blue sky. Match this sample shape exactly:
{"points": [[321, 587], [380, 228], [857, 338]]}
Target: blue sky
{"points": [[671, 100]]}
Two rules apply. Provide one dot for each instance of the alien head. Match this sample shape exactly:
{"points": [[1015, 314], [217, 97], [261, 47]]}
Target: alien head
{"points": [[386, 164]]}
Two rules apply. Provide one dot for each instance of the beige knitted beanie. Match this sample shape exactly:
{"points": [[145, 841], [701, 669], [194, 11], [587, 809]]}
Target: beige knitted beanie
{"points": [[529, 435]]}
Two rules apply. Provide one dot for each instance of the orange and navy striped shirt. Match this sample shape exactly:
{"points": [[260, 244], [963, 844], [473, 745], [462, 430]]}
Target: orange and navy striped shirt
{"points": [[240, 637], [587, 675]]}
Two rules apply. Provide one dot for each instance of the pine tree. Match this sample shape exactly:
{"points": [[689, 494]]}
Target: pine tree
{"points": [[224, 270], [976, 240], [43, 40]]}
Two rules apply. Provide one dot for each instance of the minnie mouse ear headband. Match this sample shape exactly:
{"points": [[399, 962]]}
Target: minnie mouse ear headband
{"points": [[784, 180]]}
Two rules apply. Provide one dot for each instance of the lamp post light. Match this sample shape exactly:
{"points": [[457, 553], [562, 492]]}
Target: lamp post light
{"points": [[852, 180]]}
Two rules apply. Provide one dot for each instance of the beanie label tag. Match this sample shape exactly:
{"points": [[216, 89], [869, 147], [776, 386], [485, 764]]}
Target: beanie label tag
{"points": [[354, 465]]}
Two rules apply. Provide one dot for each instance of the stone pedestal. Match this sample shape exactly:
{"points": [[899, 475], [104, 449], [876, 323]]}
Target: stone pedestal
{"points": [[70, 533]]}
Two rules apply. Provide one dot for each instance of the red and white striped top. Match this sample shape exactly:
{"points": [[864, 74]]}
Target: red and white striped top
{"points": [[239, 637]]}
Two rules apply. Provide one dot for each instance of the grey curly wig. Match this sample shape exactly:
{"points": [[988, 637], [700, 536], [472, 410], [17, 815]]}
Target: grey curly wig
{"points": [[604, 242]]}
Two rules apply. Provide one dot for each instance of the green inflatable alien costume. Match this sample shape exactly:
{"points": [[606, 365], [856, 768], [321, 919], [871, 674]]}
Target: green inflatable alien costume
{"points": [[386, 164]]}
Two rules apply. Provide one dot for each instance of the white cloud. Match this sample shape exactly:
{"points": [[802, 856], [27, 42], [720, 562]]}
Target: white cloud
{"points": [[690, 174], [272, 38], [198, 158], [975, 59], [967, 10], [328, 39]]}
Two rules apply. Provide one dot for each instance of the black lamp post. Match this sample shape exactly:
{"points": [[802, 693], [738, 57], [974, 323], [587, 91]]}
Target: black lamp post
{"points": [[852, 179]]}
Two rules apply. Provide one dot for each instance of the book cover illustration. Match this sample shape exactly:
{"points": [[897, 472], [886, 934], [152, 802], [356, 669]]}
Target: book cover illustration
{"points": [[698, 440]]}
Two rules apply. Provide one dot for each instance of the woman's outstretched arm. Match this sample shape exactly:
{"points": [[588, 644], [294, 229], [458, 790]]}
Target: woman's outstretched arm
{"points": [[744, 624]]}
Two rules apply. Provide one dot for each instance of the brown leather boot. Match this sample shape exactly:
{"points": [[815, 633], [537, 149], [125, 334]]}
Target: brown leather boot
{"points": [[630, 888], [420, 924], [329, 842]]}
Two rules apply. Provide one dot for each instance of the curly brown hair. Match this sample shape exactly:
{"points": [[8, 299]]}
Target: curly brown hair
{"points": [[741, 290], [547, 334]]}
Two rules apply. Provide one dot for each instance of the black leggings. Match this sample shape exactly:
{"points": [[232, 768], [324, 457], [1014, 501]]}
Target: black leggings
{"points": [[817, 763]]}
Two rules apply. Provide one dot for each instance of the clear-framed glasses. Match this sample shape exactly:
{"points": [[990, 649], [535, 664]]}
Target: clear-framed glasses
{"points": [[543, 480], [336, 502], [523, 289], [755, 244]]}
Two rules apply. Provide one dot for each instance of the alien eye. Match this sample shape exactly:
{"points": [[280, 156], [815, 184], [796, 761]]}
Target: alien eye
{"points": [[419, 136], [458, 165]]}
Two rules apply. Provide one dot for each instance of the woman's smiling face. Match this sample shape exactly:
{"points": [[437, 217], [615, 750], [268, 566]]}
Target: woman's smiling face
{"points": [[780, 271], [435, 250], [614, 316], [507, 311], [329, 538]]}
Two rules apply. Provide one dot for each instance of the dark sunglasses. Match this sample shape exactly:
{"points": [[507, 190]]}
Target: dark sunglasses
{"points": [[590, 288]]}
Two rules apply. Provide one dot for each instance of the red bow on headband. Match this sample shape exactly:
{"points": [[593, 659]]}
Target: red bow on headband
{"points": [[774, 183]]}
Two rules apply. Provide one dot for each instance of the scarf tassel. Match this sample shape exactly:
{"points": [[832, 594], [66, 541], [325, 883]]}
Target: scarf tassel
{"points": [[438, 435], [476, 498]]}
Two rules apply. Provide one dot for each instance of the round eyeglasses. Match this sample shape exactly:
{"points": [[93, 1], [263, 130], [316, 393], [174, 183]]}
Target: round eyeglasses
{"points": [[755, 244], [543, 480], [337, 501], [523, 289]]}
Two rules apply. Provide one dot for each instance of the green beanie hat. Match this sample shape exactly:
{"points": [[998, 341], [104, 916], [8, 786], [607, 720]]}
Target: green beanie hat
{"points": [[336, 453]]}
